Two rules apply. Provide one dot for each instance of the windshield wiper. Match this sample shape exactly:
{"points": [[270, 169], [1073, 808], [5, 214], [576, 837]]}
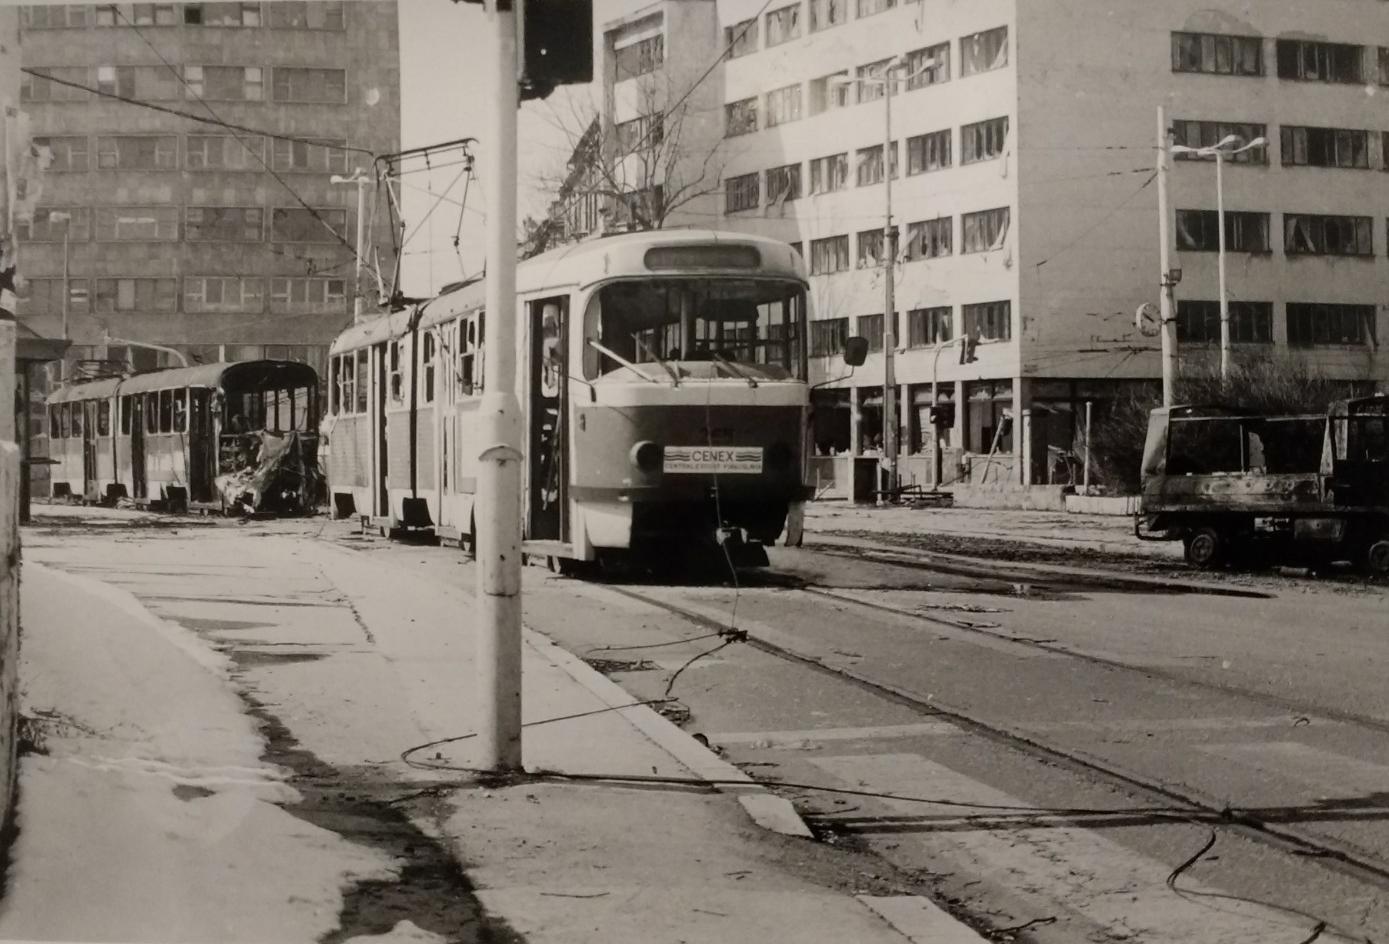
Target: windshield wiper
{"points": [[722, 359], [621, 360], [674, 374]]}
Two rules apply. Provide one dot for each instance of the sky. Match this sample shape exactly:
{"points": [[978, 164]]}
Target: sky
{"points": [[444, 76]]}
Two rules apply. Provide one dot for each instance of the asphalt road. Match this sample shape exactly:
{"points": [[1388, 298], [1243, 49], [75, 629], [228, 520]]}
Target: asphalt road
{"points": [[1104, 759]]}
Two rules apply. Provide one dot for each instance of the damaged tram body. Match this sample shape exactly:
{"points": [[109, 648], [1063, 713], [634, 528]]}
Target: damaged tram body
{"points": [[230, 437], [1309, 489], [662, 382]]}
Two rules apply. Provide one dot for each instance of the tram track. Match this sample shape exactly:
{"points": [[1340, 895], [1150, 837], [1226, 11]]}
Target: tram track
{"points": [[1261, 825]]}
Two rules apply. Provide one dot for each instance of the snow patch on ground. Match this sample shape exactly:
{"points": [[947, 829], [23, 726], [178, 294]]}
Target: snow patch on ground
{"points": [[153, 805]]}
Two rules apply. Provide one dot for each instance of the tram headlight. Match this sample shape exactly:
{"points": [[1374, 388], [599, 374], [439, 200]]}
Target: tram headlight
{"points": [[646, 456], [779, 456]]}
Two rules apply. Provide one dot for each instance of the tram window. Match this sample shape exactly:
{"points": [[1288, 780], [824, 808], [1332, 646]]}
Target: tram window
{"points": [[166, 411], [359, 381], [103, 418], [333, 386], [151, 412], [397, 379], [77, 418], [180, 411], [125, 416], [64, 420], [428, 364], [54, 423]]}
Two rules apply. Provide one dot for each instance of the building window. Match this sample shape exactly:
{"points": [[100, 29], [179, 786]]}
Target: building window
{"points": [[1308, 234], [298, 14], [828, 174], [740, 38], [137, 295], [784, 183], [69, 152], [870, 328], [1325, 147], [871, 7], [136, 14], [784, 105], [830, 254], [927, 326], [324, 156], [44, 229], [989, 321], [307, 295], [983, 140], [1312, 325], [1198, 322], [929, 66], [829, 91], [147, 83], [742, 193], [1308, 61], [223, 293], [300, 225], [224, 224], [740, 117], [224, 152], [1216, 54], [65, 16], [137, 152], [988, 407], [309, 86], [984, 52], [827, 13], [45, 84], [224, 83], [870, 80], [221, 14], [783, 25], [45, 296], [1203, 134], [640, 58], [137, 223], [984, 231], [928, 239], [927, 152], [642, 131], [827, 336], [869, 164], [1199, 231], [870, 249]]}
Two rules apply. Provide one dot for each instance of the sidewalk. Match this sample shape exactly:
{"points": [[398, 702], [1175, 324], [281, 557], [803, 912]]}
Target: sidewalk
{"points": [[179, 818]]}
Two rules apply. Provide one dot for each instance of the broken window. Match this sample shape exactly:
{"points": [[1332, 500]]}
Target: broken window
{"points": [[1199, 231], [1309, 234], [984, 231], [1204, 446], [983, 140], [1222, 55], [1309, 61], [985, 51], [1324, 147], [928, 239]]}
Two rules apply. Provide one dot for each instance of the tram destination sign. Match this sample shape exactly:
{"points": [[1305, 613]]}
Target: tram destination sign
{"points": [[724, 460]]}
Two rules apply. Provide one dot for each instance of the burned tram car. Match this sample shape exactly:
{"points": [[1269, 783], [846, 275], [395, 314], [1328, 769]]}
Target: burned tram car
{"points": [[223, 437], [662, 382]]}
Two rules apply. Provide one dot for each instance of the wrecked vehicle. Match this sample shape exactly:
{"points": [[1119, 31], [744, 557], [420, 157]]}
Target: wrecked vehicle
{"points": [[1310, 489]]}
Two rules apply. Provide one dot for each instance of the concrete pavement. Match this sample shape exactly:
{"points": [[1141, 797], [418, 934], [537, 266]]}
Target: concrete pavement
{"points": [[336, 663]]}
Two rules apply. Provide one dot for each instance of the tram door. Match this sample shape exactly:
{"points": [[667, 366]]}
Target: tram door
{"points": [[201, 446], [136, 405], [381, 492], [547, 437], [88, 448]]}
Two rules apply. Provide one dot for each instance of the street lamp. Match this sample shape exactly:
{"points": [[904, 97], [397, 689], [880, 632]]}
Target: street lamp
{"points": [[359, 178], [1220, 150]]}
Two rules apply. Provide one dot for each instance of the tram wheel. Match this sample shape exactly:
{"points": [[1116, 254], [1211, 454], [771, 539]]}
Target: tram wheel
{"points": [[1377, 558], [1205, 547]]}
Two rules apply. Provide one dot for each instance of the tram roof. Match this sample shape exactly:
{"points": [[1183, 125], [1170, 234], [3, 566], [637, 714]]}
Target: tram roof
{"points": [[242, 374]]}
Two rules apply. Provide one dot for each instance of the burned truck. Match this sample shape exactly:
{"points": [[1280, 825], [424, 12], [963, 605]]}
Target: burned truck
{"points": [[1309, 489]]}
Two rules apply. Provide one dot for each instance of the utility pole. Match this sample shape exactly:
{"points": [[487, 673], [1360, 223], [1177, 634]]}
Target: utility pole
{"points": [[498, 508], [359, 178], [1165, 274], [1220, 266], [889, 296]]}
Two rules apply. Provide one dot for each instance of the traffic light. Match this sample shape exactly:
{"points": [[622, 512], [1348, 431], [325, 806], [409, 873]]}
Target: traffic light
{"points": [[943, 415], [967, 344], [557, 45]]}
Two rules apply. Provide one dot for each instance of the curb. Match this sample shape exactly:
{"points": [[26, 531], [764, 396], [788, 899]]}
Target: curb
{"points": [[766, 809]]}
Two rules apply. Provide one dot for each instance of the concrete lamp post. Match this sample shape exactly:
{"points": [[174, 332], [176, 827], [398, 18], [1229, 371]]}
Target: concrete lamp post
{"points": [[1225, 147], [66, 219]]}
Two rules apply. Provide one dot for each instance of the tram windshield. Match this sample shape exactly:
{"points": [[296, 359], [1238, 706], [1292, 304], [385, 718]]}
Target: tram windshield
{"points": [[697, 328]]}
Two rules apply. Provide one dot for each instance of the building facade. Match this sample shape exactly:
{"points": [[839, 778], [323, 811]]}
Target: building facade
{"points": [[189, 205], [1024, 199]]}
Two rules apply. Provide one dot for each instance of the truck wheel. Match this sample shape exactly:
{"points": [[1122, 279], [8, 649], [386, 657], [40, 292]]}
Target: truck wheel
{"points": [[1377, 558], [1205, 547]]}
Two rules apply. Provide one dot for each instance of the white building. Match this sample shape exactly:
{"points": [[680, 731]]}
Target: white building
{"points": [[1024, 147]]}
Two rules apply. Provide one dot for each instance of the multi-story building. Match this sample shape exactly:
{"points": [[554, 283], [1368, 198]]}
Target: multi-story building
{"points": [[1023, 166], [189, 203]]}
